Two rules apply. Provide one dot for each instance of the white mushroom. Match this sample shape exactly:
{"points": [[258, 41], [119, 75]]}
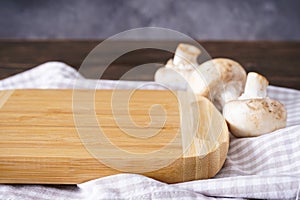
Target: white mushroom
{"points": [[220, 80], [256, 86], [178, 70], [254, 114], [185, 56]]}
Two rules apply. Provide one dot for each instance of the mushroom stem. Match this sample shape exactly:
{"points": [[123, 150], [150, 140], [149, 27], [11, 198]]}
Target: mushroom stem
{"points": [[186, 54], [256, 86], [177, 71]]}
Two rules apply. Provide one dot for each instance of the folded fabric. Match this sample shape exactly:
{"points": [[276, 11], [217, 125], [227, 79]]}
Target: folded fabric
{"points": [[265, 167]]}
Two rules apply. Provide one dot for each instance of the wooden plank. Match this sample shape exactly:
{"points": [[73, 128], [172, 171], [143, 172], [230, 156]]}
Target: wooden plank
{"points": [[278, 61]]}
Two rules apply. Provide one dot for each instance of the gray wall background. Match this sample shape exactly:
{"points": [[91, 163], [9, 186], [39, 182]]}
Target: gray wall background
{"points": [[205, 19]]}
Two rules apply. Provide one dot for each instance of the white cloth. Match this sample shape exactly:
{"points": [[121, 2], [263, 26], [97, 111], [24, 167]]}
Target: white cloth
{"points": [[265, 167]]}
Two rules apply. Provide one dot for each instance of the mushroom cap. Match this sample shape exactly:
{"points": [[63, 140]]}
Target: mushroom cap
{"points": [[230, 70], [172, 77], [219, 79], [254, 117]]}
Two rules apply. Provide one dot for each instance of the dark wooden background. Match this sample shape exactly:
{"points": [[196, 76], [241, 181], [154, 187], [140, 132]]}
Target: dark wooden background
{"points": [[278, 61]]}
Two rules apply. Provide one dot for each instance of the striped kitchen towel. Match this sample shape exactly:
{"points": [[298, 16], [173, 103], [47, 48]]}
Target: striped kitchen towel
{"points": [[265, 167]]}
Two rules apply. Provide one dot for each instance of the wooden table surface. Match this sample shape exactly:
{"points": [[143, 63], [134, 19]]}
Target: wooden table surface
{"points": [[278, 61]]}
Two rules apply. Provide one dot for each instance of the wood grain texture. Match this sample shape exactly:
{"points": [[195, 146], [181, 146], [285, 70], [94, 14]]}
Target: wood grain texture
{"points": [[278, 61], [4, 96], [39, 142]]}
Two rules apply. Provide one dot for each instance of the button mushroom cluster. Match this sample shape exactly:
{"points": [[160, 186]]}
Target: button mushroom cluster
{"points": [[242, 98]]}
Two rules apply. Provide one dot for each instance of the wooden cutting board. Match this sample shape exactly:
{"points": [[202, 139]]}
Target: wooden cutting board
{"points": [[67, 137]]}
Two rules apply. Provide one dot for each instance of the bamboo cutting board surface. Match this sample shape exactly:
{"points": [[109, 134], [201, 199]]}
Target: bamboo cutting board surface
{"points": [[50, 137]]}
